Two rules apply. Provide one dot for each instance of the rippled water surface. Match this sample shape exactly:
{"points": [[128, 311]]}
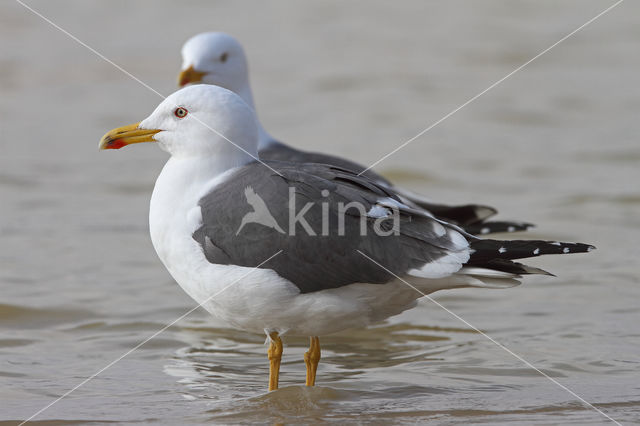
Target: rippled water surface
{"points": [[555, 144]]}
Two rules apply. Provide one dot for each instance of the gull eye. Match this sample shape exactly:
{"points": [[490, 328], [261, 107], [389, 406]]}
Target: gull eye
{"points": [[180, 112], [224, 57]]}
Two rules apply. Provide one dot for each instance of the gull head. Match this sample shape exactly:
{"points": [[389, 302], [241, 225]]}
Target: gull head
{"points": [[201, 120], [214, 58]]}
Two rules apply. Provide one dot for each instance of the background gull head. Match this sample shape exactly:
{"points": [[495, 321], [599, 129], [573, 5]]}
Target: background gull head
{"points": [[214, 58]]}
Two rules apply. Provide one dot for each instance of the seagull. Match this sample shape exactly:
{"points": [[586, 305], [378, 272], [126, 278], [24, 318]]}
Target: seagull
{"points": [[353, 252], [218, 58]]}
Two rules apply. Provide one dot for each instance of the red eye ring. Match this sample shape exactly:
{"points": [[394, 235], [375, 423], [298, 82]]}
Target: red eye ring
{"points": [[180, 112]]}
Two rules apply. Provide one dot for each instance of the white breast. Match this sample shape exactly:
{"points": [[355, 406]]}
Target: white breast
{"points": [[244, 297], [174, 215]]}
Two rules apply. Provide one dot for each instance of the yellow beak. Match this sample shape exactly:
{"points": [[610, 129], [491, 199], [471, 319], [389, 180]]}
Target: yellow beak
{"points": [[126, 135], [190, 75]]}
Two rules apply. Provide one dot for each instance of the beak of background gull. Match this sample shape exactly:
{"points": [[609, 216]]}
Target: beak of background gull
{"points": [[190, 75], [126, 135]]}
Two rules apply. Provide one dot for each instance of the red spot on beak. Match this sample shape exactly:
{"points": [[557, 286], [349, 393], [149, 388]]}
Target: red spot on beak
{"points": [[116, 144]]}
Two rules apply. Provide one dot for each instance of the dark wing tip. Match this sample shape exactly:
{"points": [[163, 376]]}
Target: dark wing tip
{"points": [[493, 227]]}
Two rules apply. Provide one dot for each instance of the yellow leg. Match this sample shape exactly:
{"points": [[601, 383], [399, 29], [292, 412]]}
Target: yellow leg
{"points": [[311, 359], [275, 355]]}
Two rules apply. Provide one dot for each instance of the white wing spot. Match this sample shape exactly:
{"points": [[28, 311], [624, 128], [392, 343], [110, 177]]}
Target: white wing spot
{"points": [[556, 244], [511, 229], [502, 250], [536, 251], [457, 239], [378, 211], [485, 230], [566, 250], [438, 229]]}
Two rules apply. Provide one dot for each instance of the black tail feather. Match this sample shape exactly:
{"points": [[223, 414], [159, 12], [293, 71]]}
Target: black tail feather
{"points": [[488, 250]]}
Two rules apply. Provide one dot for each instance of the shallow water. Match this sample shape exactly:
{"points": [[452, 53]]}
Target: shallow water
{"points": [[556, 144]]}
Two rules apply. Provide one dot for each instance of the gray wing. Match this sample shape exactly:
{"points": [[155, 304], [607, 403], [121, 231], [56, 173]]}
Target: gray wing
{"points": [[472, 217], [316, 262], [280, 152]]}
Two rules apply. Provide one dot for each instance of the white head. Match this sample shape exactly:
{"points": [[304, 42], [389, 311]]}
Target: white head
{"points": [[215, 58], [196, 121]]}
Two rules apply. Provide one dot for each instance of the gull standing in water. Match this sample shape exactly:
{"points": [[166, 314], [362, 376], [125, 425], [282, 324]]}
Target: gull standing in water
{"points": [[348, 253]]}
